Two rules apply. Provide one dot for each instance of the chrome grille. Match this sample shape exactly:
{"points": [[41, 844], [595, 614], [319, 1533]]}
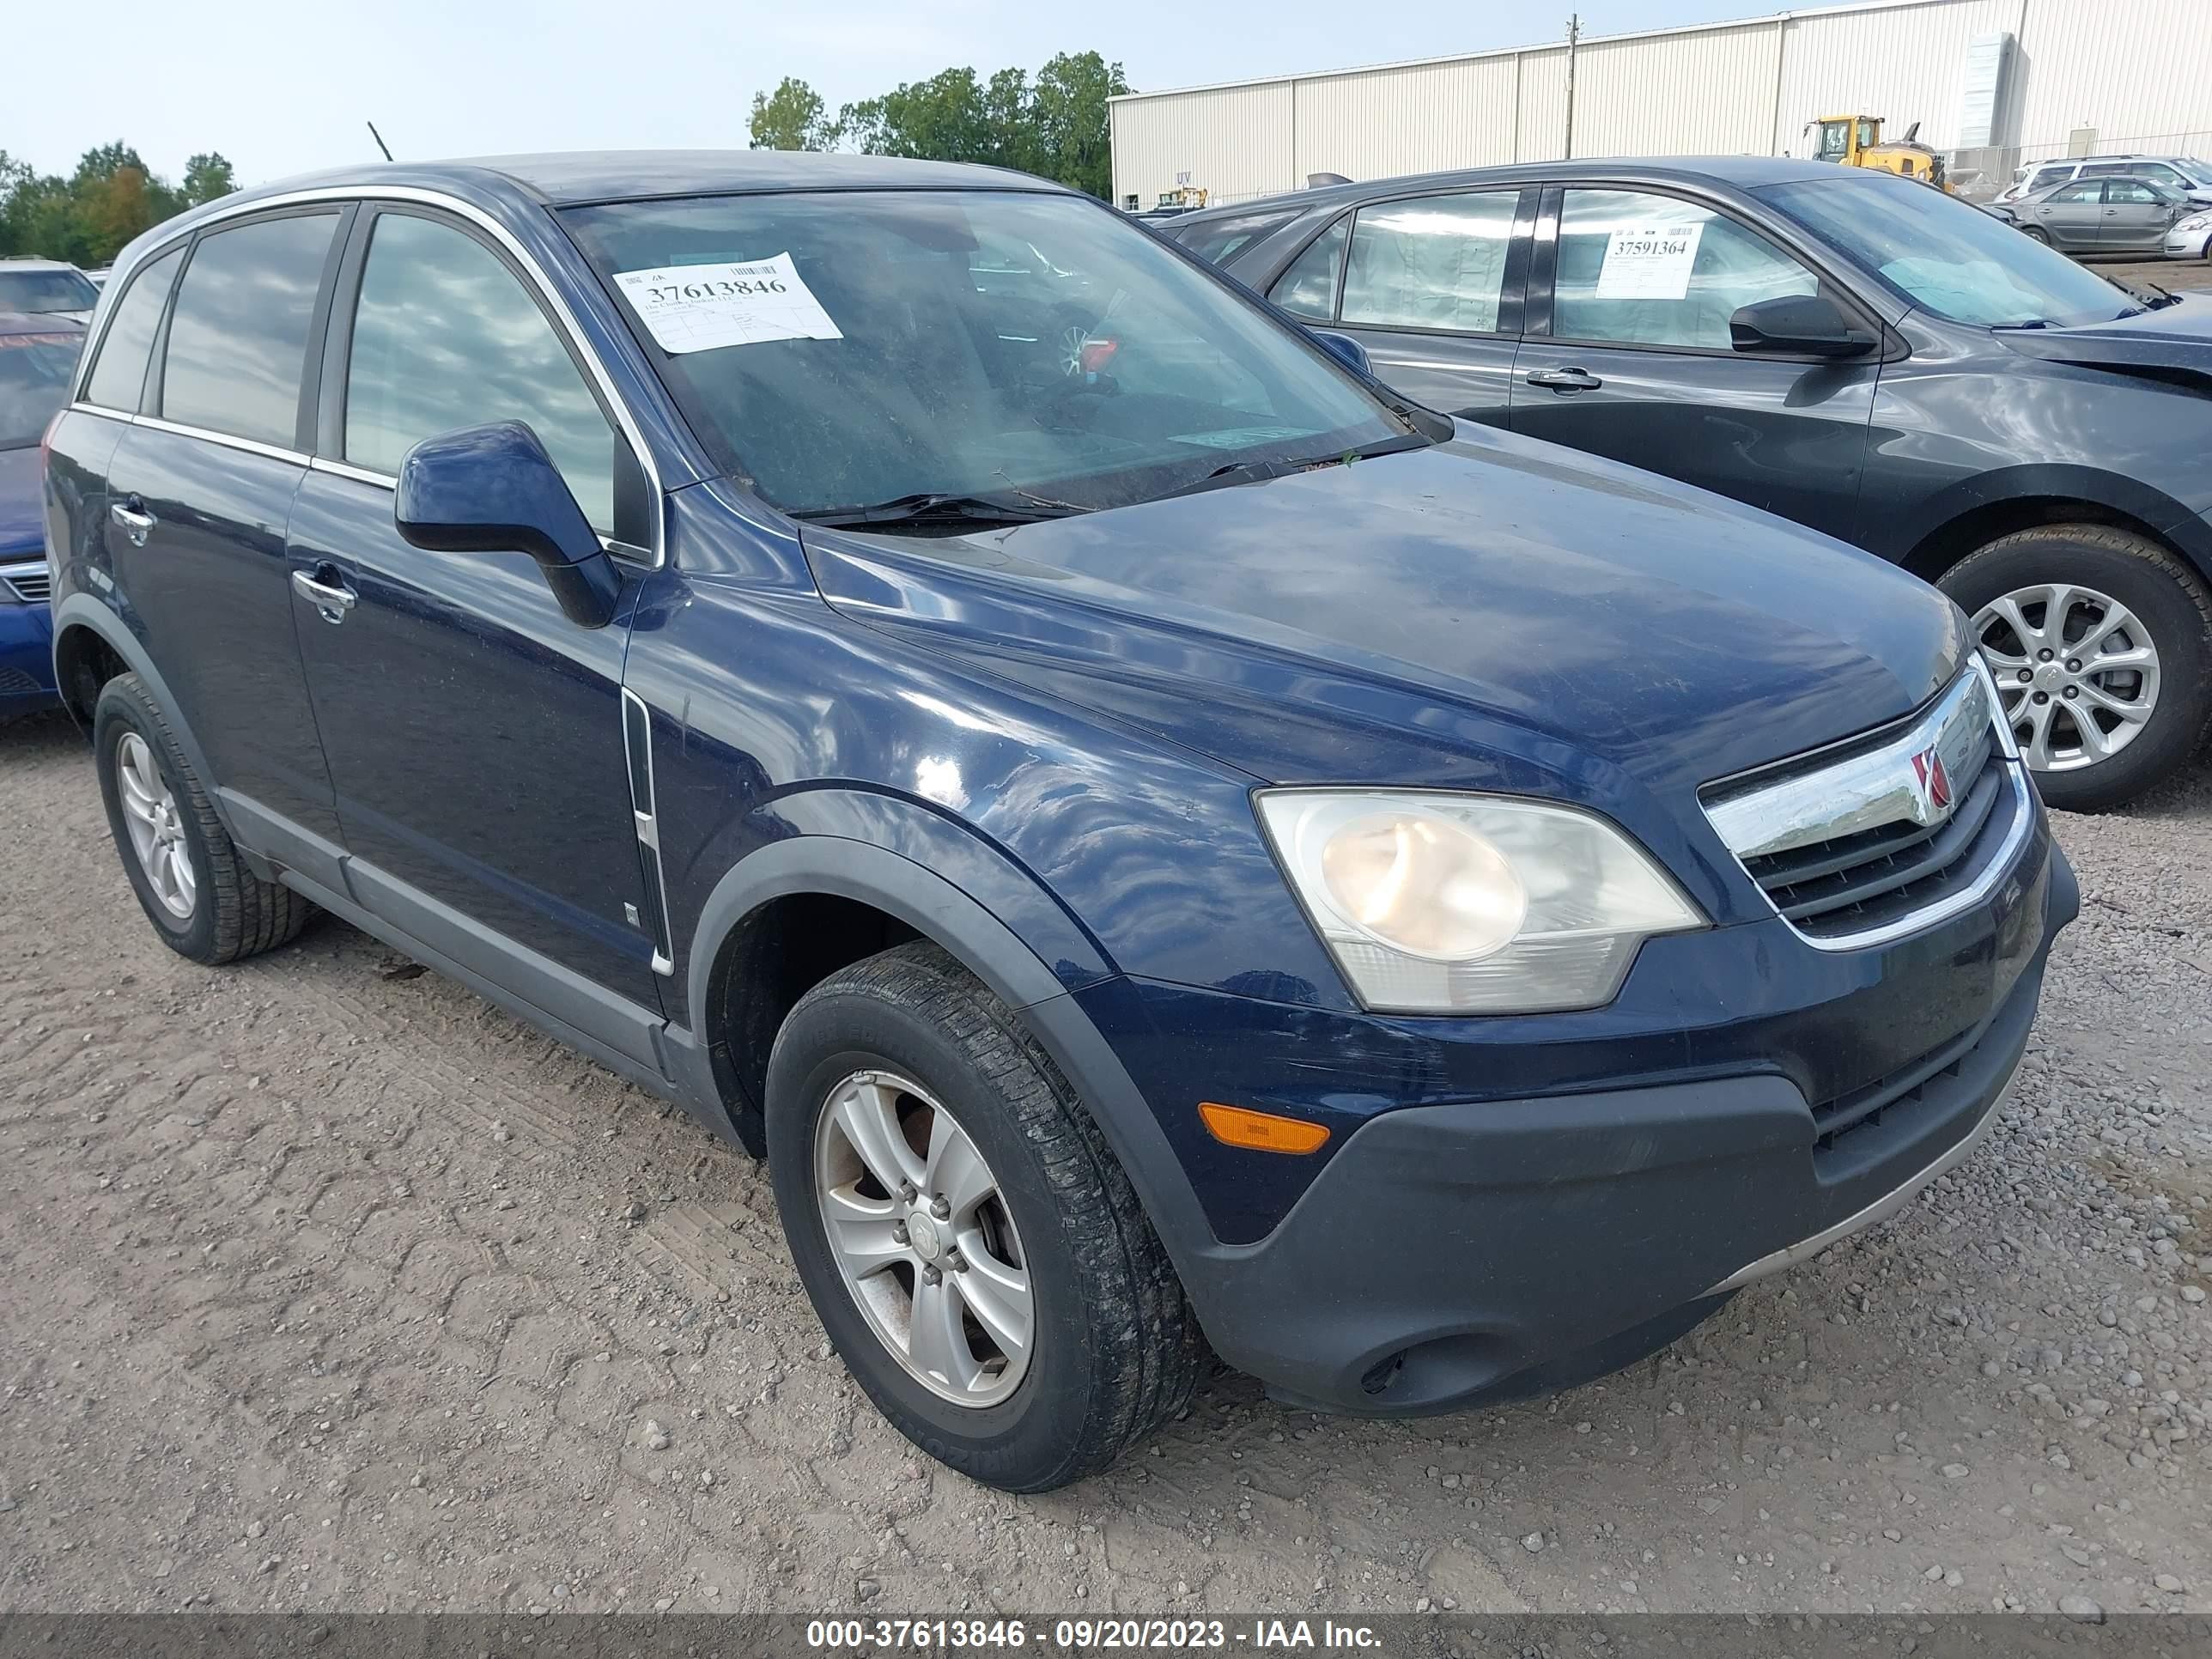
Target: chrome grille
{"points": [[30, 582], [1873, 838]]}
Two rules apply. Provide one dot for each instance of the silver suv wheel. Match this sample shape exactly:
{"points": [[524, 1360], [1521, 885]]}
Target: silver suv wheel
{"points": [[923, 1239], [2078, 673], [157, 831]]}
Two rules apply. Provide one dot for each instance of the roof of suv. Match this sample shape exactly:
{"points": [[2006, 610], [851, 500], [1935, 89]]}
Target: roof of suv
{"points": [[28, 261], [1746, 172], [562, 179]]}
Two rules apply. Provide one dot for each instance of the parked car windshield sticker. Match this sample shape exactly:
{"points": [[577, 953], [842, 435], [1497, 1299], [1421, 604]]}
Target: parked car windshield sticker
{"points": [[1650, 262], [700, 308]]}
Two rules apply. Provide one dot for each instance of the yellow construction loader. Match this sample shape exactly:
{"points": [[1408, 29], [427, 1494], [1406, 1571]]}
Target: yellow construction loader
{"points": [[1855, 141]]}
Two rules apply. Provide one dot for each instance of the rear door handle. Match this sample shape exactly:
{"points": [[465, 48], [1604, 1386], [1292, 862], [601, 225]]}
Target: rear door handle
{"points": [[1565, 379], [325, 590], [133, 520]]}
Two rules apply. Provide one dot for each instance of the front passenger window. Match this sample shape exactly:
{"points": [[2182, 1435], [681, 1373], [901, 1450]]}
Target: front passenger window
{"points": [[445, 335], [1640, 268]]}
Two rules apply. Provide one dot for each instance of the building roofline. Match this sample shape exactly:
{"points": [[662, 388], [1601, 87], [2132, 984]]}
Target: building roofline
{"points": [[1534, 48]]}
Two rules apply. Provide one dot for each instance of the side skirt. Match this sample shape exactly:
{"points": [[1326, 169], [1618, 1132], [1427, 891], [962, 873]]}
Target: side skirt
{"points": [[636, 1043]]}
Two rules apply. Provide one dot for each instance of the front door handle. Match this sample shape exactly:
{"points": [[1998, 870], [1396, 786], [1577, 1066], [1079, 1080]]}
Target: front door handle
{"points": [[1565, 379], [134, 521], [326, 590]]}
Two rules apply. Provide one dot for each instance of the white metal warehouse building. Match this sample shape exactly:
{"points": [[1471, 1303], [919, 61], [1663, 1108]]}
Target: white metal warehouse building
{"points": [[1995, 82]]}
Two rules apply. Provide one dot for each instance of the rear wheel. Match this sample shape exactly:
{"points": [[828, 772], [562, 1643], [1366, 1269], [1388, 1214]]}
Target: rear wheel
{"points": [[974, 1250], [2101, 642], [183, 866]]}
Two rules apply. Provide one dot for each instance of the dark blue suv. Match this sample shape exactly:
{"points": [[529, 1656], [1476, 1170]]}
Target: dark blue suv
{"points": [[1158, 840]]}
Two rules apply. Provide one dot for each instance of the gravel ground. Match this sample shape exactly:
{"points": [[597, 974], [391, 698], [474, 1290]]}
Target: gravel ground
{"points": [[328, 1286]]}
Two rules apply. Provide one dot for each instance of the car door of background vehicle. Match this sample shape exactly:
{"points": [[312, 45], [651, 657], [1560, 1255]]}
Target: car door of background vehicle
{"points": [[2073, 216], [1627, 355], [199, 492], [474, 733], [2137, 215], [1431, 286]]}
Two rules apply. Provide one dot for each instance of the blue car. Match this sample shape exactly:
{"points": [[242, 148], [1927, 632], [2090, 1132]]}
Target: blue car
{"points": [[37, 356], [1161, 843]]}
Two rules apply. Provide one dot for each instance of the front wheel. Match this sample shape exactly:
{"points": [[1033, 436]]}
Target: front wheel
{"points": [[2036, 233], [2100, 643], [973, 1249]]}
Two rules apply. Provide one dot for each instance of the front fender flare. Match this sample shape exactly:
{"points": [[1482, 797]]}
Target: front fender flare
{"points": [[1039, 993]]}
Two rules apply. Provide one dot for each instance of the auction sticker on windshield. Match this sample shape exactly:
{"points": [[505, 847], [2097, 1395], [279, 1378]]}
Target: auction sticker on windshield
{"points": [[700, 308], [1650, 262]]}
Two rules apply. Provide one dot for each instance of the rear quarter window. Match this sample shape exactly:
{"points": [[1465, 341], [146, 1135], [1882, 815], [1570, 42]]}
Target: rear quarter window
{"points": [[118, 374]]}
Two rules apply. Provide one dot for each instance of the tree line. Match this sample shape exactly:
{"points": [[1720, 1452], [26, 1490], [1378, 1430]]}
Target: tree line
{"points": [[86, 217], [1054, 125]]}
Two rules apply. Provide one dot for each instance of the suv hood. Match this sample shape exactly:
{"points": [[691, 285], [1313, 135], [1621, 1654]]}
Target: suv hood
{"points": [[2173, 341], [1489, 612]]}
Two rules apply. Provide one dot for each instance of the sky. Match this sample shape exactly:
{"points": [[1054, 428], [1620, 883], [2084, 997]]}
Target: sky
{"points": [[285, 86]]}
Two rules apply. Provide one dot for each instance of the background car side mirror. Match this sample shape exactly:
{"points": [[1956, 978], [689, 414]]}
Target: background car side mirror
{"points": [[1805, 324], [1346, 349], [493, 488]]}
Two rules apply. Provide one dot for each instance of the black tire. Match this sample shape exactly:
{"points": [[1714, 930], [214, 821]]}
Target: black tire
{"points": [[2036, 233], [2165, 594], [237, 914], [1117, 1349]]}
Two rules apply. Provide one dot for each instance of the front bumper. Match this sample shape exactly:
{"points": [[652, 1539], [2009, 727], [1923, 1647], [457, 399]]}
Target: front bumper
{"points": [[2189, 244], [27, 660], [1480, 1250]]}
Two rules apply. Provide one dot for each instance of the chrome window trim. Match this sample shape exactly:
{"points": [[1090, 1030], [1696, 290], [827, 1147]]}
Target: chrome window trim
{"points": [[227, 439], [1781, 817], [545, 290]]}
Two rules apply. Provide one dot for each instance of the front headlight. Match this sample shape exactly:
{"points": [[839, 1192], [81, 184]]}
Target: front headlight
{"points": [[2196, 221], [1435, 903]]}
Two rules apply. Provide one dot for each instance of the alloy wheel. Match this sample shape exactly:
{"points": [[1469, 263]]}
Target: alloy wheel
{"points": [[157, 831], [2078, 673], [923, 1238]]}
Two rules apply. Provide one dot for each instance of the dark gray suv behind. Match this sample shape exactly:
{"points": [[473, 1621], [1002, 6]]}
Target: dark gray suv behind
{"points": [[1866, 356]]}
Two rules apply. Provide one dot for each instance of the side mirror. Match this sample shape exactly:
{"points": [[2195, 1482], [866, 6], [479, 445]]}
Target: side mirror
{"points": [[1805, 324], [493, 488], [1346, 349]]}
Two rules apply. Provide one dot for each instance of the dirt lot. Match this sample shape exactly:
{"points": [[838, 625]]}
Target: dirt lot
{"points": [[328, 1286]]}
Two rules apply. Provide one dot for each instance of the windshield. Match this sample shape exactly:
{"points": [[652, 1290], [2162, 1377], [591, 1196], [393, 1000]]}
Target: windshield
{"points": [[1949, 257], [34, 378], [860, 348], [46, 290], [2199, 172]]}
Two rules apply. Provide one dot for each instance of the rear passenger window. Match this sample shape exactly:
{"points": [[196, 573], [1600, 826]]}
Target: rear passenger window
{"points": [[445, 336], [1308, 288], [238, 335], [119, 374], [1438, 263], [1640, 268]]}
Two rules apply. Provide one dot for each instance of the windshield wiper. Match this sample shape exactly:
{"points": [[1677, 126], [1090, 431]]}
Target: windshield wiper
{"points": [[1238, 472], [929, 507]]}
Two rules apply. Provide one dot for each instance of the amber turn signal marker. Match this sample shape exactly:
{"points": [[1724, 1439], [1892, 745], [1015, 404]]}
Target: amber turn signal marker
{"points": [[1260, 1132]]}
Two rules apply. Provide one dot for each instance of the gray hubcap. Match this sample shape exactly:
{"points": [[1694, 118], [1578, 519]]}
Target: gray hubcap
{"points": [[157, 833], [923, 1239], [2077, 670]]}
